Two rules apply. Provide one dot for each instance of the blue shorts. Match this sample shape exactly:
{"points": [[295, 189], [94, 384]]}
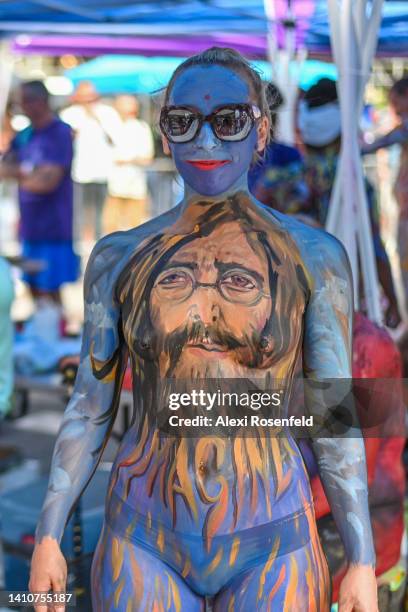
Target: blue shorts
{"points": [[61, 264]]}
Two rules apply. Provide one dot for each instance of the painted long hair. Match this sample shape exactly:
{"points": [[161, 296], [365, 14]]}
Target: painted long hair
{"points": [[287, 280]]}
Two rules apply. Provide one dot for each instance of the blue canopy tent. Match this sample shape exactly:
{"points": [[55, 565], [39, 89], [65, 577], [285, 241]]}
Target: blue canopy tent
{"points": [[144, 75]]}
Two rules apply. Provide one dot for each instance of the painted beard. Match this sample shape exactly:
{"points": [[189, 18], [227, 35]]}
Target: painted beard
{"points": [[199, 351]]}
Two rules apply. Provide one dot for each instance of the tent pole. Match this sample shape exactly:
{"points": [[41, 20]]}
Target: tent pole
{"points": [[369, 268], [271, 36], [282, 61], [353, 38], [347, 231]]}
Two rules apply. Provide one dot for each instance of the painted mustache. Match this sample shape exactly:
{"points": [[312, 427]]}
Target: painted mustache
{"points": [[195, 333], [209, 337]]}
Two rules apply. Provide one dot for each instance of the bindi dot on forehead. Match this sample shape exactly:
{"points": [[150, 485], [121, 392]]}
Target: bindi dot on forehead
{"points": [[207, 97]]}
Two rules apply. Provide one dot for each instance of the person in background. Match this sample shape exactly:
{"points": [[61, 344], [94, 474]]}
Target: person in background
{"points": [[277, 178], [399, 135], [95, 125], [6, 338], [127, 204], [7, 132], [39, 159], [319, 124]]}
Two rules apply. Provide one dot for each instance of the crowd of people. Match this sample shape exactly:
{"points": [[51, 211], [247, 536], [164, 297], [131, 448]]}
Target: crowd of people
{"points": [[112, 148], [300, 181], [81, 174], [85, 170]]}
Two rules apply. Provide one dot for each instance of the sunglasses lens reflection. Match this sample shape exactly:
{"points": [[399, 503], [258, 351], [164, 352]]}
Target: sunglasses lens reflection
{"points": [[232, 123], [228, 123]]}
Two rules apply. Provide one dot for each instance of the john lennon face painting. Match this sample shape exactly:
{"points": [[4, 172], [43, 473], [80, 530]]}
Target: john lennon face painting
{"points": [[220, 301]]}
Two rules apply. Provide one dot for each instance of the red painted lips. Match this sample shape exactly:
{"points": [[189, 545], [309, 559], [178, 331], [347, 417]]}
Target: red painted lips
{"points": [[208, 164]]}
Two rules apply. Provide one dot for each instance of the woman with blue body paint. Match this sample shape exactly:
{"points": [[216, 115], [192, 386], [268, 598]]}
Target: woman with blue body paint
{"points": [[216, 289]]}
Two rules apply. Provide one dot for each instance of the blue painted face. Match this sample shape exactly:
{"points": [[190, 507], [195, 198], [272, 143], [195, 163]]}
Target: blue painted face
{"points": [[206, 88]]}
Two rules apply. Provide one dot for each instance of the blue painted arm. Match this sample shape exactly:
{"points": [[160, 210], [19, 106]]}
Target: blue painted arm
{"points": [[327, 355], [90, 413], [398, 135]]}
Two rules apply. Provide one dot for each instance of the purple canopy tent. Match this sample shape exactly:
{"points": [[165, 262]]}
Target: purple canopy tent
{"points": [[159, 28], [252, 46]]}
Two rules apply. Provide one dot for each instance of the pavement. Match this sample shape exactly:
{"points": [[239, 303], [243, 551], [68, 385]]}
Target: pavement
{"points": [[33, 436]]}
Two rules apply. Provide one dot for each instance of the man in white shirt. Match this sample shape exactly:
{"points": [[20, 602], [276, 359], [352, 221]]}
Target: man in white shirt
{"points": [[127, 205], [95, 125]]}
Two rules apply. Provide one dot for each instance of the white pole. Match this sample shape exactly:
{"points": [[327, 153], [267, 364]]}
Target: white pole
{"points": [[282, 61], [365, 239], [271, 36], [347, 230], [353, 37], [288, 84], [333, 215]]}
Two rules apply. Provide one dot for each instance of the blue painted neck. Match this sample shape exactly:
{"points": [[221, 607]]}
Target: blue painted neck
{"points": [[241, 185]]}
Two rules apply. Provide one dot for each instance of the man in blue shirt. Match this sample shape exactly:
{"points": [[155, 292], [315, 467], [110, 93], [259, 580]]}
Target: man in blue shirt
{"points": [[40, 160]]}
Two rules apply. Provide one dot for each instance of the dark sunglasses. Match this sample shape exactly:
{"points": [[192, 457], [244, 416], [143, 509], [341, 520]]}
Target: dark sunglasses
{"points": [[231, 122]]}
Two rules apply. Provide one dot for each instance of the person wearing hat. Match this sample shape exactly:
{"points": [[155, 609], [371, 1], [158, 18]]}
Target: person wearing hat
{"points": [[319, 126]]}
